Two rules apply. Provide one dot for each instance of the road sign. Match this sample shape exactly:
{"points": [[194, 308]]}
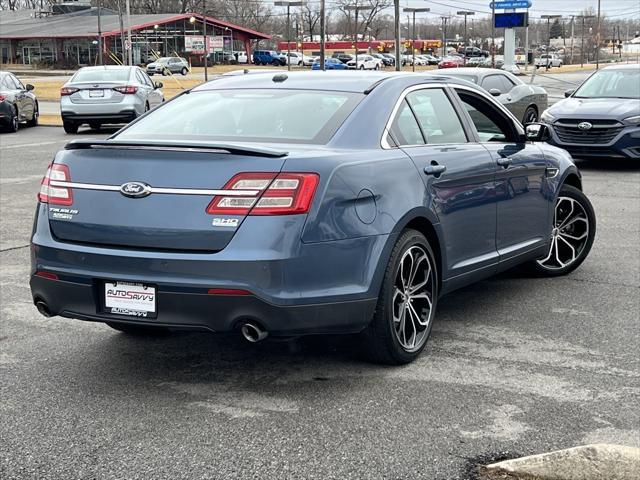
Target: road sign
{"points": [[512, 4]]}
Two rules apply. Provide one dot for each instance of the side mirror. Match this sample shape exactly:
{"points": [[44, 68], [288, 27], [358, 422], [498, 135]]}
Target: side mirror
{"points": [[495, 92], [157, 85], [569, 92], [536, 132], [29, 87]]}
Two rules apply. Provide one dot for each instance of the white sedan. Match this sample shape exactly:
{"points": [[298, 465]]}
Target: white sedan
{"points": [[297, 58], [365, 62]]}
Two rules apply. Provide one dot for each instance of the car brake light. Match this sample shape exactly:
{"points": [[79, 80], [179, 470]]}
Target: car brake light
{"points": [[2, 97], [64, 91], [284, 194], [126, 90], [54, 194]]}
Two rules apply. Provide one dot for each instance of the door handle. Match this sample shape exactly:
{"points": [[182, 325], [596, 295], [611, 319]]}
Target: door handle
{"points": [[504, 162], [434, 169]]}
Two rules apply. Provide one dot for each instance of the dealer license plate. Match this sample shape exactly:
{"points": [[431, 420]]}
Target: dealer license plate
{"points": [[96, 93], [133, 299]]}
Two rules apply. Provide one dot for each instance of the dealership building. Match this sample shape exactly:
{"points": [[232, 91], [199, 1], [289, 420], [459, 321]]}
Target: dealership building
{"points": [[69, 34]]}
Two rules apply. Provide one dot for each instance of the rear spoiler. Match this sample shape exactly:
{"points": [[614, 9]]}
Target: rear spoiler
{"points": [[208, 147]]}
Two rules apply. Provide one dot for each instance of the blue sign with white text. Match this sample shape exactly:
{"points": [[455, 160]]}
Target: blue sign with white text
{"points": [[513, 4]]}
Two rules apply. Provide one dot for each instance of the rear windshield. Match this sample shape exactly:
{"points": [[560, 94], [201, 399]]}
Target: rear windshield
{"points": [[98, 75], [247, 115]]}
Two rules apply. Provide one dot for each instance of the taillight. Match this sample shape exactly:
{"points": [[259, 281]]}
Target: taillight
{"points": [[2, 97], [126, 90], [64, 91], [284, 194], [55, 194]]}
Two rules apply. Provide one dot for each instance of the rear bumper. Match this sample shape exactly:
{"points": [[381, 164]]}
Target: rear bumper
{"points": [[124, 116], [193, 309]]}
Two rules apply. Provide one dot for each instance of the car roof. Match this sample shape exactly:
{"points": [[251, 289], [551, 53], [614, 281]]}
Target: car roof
{"points": [[346, 81], [631, 66], [480, 72]]}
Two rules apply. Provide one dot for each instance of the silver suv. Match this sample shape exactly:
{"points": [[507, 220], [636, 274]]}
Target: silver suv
{"points": [[168, 65]]}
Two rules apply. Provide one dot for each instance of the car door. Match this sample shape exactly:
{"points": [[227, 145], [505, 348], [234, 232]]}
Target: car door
{"points": [[23, 100], [523, 207], [459, 178]]}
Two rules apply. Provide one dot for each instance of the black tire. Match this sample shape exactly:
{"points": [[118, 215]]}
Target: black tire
{"points": [[138, 330], [541, 268], [70, 127], [361, 67], [34, 119], [530, 115], [14, 124], [184, 71], [95, 125], [380, 339]]}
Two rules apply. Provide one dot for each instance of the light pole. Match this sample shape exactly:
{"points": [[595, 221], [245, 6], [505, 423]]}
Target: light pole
{"points": [[466, 14], [130, 51], [356, 8], [548, 18], [100, 61], [413, 34], [288, 4], [322, 34], [396, 28], [206, 47], [444, 35]]}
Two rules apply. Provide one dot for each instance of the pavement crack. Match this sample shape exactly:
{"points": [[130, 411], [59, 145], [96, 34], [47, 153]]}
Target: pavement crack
{"points": [[13, 248]]}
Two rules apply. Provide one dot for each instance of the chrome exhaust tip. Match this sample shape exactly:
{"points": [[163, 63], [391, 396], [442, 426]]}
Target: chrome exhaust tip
{"points": [[253, 332], [43, 308]]}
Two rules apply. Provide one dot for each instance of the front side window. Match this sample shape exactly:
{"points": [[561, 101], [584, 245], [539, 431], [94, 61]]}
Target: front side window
{"points": [[248, 115], [494, 81], [490, 123], [436, 116]]}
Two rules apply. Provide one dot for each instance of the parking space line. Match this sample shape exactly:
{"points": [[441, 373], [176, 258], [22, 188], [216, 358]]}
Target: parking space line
{"points": [[37, 144]]}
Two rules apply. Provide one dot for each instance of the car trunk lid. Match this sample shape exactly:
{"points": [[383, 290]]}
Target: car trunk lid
{"points": [[111, 207]]}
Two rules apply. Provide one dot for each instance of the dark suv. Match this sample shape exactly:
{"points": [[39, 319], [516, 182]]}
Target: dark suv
{"points": [[601, 118], [343, 57], [268, 57]]}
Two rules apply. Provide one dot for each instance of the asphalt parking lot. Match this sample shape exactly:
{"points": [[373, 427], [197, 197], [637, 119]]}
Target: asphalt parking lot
{"points": [[515, 365]]}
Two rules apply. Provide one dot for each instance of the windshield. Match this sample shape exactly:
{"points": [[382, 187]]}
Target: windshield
{"points": [[247, 115], [102, 75], [611, 84]]}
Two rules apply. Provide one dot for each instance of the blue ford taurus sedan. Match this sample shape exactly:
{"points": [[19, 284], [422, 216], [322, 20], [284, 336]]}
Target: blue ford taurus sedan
{"points": [[304, 203], [601, 118]]}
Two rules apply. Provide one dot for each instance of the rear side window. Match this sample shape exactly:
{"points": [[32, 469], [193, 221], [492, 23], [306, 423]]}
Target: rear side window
{"points": [[102, 75], [405, 129], [248, 115], [436, 116]]}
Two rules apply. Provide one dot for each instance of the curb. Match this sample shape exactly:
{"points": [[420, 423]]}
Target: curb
{"points": [[587, 462]]}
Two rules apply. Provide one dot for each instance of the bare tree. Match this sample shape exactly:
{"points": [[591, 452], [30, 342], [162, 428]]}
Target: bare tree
{"points": [[310, 18]]}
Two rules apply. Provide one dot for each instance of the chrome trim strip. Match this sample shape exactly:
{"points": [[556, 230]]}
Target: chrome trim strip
{"points": [[173, 191]]}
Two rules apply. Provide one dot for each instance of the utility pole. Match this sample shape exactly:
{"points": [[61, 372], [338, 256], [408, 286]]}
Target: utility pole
{"points": [[526, 44], [396, 26], [288, 4], [493, 35], [444, 35], [598, 39], [413, 46], [130, 50], [322, 34], [100, 48], [357, 9], [206, 47], [573, 18], [465, 13], [582, 17]]}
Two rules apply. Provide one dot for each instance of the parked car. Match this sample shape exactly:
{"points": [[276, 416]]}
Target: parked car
{"points": [[524, 100], [343, 57], [300, 59], [601, 118], [284, 216], [451, 61], [168, 66], [548, 60], [241, 56], [365, 62], [18, 103], [269, 57], [391, 57], [221, 58], [386, 61], [107, 95], [330, 64], [429, 59], [471, 52]]}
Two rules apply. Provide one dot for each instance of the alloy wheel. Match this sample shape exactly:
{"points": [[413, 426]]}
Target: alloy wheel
{"points": [[412, 301], [569, 235], [531, 116]]}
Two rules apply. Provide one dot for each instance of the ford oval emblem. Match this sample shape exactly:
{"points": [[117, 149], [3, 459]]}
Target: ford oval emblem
{"points": [[584, 126], [135, 189]]}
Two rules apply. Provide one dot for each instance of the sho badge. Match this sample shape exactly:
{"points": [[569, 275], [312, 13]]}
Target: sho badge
{"points": [[135, 189], [59, 213], [225, 222]]}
